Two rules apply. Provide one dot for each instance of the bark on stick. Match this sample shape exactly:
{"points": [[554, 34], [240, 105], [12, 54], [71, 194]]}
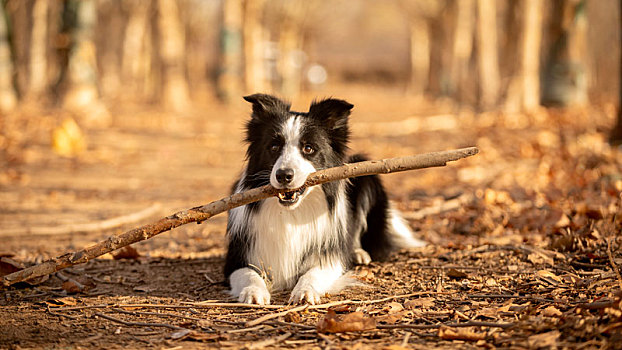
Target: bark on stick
{"points": [[202, 213]]}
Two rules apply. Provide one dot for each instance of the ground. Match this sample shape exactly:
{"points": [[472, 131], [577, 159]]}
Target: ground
{"points": [[524, 237]]}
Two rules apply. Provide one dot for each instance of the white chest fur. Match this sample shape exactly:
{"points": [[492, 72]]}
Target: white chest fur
{"points": [[283, 237]]}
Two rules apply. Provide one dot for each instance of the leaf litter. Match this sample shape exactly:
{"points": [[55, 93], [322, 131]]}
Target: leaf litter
{"points": [[530, 259]]}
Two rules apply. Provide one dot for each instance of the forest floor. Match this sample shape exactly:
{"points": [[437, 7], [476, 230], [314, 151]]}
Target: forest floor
{"points": [[524, 237]]}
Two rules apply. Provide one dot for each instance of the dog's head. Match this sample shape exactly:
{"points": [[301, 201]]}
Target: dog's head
{"points": [[291, 145]]}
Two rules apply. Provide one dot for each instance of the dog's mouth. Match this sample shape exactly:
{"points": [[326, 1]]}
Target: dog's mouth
{"points": [[291, 197]]}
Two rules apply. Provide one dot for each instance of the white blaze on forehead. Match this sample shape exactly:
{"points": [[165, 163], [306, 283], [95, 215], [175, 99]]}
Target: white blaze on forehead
{"points": [[290, 157], [291, 131]]}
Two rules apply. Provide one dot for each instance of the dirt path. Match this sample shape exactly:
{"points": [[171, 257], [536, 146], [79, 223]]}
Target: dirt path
{"points": [[524, 257]]}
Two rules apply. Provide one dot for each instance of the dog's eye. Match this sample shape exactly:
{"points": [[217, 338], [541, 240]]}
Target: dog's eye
{"points": [[274, 148], [307, 149]]}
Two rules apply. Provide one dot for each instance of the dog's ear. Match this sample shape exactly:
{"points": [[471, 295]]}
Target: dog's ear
{"points": [[264, 105], [334, 113]]}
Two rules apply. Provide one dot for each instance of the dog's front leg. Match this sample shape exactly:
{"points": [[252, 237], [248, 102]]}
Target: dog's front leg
{"points": [[315, 283], [249, 287]]}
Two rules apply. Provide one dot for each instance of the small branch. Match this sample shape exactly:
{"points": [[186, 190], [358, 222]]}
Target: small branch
{"points": [[139, 324], [85, 227], [202, 213], [454, 325], [268, 342]]}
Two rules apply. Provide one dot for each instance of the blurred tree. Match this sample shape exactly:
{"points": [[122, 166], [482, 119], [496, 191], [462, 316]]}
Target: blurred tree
{"points": [[487, 45], [254, 46], [291, 34], [615, 137], [8, 98], [38, 50], [462, 49], [175, 94], [230, 60], [420, 15], [565, 78], [530, 57], [109, 41], [80, 77], [137, 48]]}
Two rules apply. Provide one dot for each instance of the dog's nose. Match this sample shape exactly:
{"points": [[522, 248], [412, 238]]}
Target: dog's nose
{"points": [[285, 176]]}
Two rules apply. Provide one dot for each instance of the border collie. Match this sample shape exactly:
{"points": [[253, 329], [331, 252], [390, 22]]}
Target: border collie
{"points": [[307, 238]]}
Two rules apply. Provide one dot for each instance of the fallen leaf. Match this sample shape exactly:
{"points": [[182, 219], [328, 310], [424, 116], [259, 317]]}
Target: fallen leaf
{"points": [[394, 307], [549, 277], [391, 318], [69, 301], [543, 340], [180, 334], [293, 317], [453, 273], [352, 322], [72, 287], [127, 252], [419, 303], [8, 266], [466, 333], [551, 311]]}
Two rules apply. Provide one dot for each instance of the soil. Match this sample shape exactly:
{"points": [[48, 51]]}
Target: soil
{"points": [[524, 237]]}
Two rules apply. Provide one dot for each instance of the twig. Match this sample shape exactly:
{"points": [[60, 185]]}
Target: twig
{"points": [[135, 313], [202, 213], [324, 306], [455, 325], [139, 324], [275, 315], [268, 342], [85, 227], [614, 267]]}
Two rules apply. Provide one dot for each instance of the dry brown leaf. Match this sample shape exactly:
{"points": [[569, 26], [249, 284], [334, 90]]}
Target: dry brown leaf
{"points": [[8, 265], [419, 303], [551, 311], [466, 333], [453, 273], [549, 277], [127, 252], [69, 301], [394, 307], [543, 340], [352, 322]]}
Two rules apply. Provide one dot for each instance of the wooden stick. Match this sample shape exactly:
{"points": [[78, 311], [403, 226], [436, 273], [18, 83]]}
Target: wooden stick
{"points": [[202, 213]]}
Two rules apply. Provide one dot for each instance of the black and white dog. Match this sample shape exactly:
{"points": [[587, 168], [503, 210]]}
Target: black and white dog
{"points": [[305, 239]]}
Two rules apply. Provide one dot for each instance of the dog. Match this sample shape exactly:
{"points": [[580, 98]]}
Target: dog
{"points": [[306, 238]]}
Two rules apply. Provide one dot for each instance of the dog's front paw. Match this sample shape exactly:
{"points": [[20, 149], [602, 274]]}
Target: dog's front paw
{"points": [[254, 295], [361, 257], [304, 294]]}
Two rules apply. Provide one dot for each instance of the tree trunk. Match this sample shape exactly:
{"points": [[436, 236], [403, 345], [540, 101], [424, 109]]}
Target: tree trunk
{"points": [[38, 50], [419, 55], [175, 92], [462, 48], [616, 134], [530, 56], [8, 98], [254, 38], [133, 69], [291, 57], [230, 61], [82, 93], [489, 81]]}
